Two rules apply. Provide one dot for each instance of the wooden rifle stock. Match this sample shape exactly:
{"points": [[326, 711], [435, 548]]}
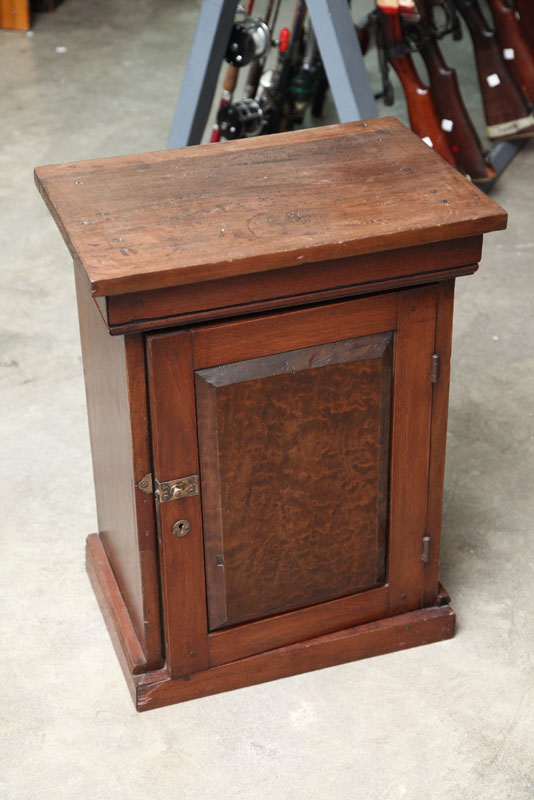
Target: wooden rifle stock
{"points": [[421, 109], [453, 114], [516, 51], [507, 114], [525, 9]]}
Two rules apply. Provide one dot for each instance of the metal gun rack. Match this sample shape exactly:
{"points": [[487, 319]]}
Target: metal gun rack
{"points": [[340, 53]]}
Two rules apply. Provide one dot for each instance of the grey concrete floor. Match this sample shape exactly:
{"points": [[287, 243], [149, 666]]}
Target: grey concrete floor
{"points": [[452, 720]]}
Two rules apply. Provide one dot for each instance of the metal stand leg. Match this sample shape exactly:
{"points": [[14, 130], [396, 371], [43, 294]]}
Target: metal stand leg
{"points": [[501, 155], [342, 58], [203, 66]]}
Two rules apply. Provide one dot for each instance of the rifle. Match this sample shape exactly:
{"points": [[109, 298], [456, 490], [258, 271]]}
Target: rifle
{"points": [[516, 51], [453, 114], [421, 109], [525, 9], [507, 114]]}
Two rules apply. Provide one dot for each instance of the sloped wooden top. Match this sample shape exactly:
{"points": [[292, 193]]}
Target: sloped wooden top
{"points": [[173, 217]]}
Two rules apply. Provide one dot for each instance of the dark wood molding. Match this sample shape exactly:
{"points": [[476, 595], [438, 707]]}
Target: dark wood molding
{"points": [[113, 607], [401, 632], [280, 288]]}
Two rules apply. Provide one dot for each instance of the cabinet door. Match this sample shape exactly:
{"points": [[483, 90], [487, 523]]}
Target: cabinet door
{"points": [[313, 429]]}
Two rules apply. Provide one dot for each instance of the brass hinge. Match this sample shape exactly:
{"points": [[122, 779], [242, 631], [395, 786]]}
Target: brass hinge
{"points": [[177, 488], [435, 368], [145, 484], [425, 553]]}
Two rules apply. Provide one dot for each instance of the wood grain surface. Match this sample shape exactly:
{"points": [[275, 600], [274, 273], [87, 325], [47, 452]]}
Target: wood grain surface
{"points": [[195, 214], [241, 339], [113, 608], [410, 447], [175, 454], [240, 641], [438, 436], [114, 369], [15, 14], [293, 286], [294, 460], [363, 641]]}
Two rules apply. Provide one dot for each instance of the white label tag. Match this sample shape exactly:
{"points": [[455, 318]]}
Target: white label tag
{"points": [[509, 53], [427, 140], [510, 128], [447, 125], [493, 80]]}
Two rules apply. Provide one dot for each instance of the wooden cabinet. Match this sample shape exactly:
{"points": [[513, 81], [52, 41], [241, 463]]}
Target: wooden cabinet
{"points": [[268, 415]]}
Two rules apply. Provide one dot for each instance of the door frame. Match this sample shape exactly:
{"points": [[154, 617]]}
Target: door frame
{"points": [[173, 358]]}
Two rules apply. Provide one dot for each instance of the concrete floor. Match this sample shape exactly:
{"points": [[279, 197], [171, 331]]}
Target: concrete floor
{"points": [[453, 720]]}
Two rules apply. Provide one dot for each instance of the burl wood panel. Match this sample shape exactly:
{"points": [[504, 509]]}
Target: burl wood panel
{"points": [[200, 213], [294, 463]]}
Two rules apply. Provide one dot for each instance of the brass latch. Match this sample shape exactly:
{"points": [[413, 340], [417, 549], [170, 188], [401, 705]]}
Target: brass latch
{"points": [[177, 488]]}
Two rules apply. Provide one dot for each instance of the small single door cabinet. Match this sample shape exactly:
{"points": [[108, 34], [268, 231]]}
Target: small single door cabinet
{"points": [[266, 334]]}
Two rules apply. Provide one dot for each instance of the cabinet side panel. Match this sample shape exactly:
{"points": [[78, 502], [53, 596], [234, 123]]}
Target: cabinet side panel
{"points": [[106, 385], [144, 503]]}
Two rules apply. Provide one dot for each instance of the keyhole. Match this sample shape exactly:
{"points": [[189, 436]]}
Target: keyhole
{"points": [[181, 527]]}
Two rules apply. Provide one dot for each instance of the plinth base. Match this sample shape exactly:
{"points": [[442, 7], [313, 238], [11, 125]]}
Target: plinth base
{"points": [[154, 688]]}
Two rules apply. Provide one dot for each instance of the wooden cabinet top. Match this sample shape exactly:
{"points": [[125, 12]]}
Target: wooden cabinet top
{"points": [[175, 217]]}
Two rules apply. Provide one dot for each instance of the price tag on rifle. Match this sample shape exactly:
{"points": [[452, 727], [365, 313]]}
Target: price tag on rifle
{"points": [[493, 80], [509, 54]]}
